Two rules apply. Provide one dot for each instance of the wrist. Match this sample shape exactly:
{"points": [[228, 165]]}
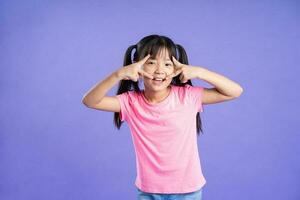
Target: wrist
{"points": [[201, 72], [118, 74]]}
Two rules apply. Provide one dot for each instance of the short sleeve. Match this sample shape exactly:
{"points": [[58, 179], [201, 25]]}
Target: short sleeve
{"points": [[124, 105], [195, 94]]}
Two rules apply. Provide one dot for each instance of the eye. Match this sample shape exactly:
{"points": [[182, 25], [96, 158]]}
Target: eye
{"points": [[150, 62], [169, 64]]}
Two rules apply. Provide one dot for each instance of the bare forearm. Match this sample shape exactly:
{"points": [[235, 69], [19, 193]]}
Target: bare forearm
{"points": [[222, 83], [98, 91]]}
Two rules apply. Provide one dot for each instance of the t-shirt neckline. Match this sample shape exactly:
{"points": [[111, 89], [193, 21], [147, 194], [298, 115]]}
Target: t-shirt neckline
{"points": [[159, 103]]}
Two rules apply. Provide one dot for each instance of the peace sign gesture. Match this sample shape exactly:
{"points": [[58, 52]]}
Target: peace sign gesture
{"points": [[134, 71], [186, 71]]}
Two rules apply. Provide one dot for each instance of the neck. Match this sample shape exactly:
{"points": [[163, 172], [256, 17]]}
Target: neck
{"points": [[157, 96]]}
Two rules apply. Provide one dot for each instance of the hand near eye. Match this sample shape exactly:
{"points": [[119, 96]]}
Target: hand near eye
{"points": [[134, 71], [186, 71]]}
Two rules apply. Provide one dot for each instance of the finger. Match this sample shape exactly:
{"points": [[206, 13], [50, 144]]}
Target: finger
{"points": [[142, 62], [144, 73], [144, 59], [176, 62], [140, 76], [126, 78], [181, 78], [178, 71], [170, 76]]}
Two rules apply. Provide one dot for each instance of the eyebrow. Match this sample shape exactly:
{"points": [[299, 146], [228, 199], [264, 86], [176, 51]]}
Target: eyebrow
{"points": [[155, 59]]}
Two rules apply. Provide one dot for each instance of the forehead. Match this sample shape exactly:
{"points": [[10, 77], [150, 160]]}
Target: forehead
{"points": [[161, 54]]}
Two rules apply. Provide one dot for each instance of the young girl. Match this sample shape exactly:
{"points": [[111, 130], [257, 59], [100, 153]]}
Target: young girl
{"points": [[164, 117]]}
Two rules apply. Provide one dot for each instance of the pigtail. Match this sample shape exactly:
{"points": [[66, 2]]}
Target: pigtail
{"points": [[182, 58], [126, 85]]}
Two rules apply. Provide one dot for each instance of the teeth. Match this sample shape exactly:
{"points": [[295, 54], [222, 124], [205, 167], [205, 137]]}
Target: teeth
{"points": [[158, 79]]}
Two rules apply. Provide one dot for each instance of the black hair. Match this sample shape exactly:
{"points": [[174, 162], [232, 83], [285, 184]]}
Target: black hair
{"points": [[152, 44]]}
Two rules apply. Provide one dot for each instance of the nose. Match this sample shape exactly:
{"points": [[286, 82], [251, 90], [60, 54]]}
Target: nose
{"points": [[159, 69]]}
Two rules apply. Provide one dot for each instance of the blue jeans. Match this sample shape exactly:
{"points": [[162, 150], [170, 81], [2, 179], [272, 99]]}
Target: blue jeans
{"points": [[196, 195]]}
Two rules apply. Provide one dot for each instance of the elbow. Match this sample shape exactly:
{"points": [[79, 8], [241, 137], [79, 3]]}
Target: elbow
{"points": [[85, 102], [88, 102]]}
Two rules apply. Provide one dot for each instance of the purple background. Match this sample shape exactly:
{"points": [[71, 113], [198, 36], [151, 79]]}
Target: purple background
{"points": [[53, 147]]}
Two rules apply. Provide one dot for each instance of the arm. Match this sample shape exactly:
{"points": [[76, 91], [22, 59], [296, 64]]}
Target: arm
{"points": [[225, 89], [95, 97]]}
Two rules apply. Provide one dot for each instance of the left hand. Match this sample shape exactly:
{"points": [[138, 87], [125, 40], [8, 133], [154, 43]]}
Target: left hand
{"points": [[186, 71]]}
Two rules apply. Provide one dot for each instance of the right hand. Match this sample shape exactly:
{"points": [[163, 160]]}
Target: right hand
{"points": [[134, 71]]}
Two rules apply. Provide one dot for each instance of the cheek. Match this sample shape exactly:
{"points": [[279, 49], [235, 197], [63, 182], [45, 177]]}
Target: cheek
{"points": [[169, 70], [148, 69]]}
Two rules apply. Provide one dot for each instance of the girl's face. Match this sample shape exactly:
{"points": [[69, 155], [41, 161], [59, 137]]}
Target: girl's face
{"points": [[159, 67]]}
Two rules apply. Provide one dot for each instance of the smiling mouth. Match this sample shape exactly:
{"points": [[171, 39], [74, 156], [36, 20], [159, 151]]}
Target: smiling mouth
{"points": [[159, 79]]}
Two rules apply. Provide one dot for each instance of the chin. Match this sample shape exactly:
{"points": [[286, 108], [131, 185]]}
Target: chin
{"points": [[155, 87]]}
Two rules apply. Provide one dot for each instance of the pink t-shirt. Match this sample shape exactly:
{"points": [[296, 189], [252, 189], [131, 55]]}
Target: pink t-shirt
{"points": [[165, 139]]}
